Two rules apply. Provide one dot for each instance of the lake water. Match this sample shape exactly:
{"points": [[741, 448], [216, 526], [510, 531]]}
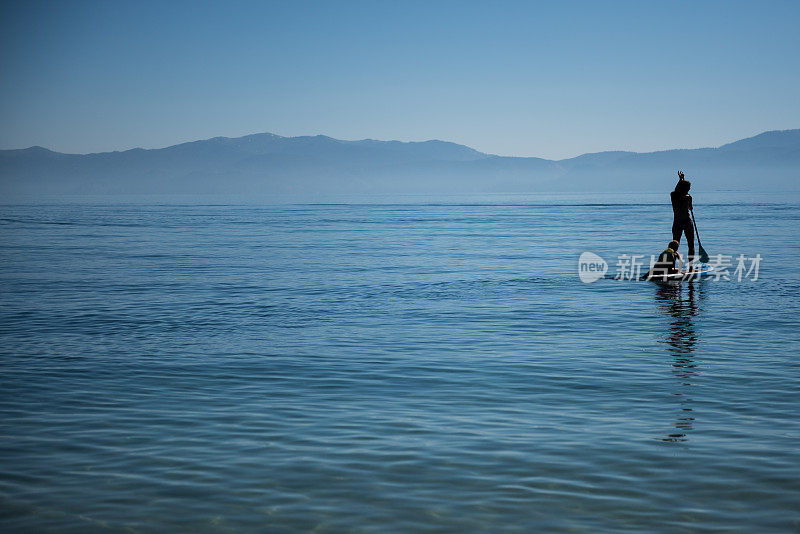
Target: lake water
{"points": [[394, 365]]}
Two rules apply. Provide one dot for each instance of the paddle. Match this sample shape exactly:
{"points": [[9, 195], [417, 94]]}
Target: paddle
{"points": [[703, 253]]}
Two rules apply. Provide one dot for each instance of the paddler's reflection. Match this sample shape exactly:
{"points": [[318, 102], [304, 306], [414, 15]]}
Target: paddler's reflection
{"points": [[679, 305]]}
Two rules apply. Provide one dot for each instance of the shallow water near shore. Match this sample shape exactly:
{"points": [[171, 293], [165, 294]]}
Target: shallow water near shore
{"points": [[213, 365]]}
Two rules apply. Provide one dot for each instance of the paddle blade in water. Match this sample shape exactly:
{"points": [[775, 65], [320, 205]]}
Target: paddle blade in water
{"points": [[703, 254]]}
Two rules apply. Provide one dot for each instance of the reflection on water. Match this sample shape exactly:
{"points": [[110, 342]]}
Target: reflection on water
{"points": [[678, 302]]}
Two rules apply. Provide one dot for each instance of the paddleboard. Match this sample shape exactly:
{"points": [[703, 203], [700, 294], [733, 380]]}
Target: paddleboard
{"points": [[702, 271]]}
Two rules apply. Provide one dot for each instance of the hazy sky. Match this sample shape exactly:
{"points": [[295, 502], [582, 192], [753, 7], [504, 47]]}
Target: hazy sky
{"points": [[550, 79]]}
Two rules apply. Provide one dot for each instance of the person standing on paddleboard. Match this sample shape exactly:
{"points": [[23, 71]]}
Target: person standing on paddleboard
{"points": [[681, 207]]}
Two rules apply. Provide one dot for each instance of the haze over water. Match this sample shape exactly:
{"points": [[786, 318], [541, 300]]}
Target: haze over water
{"points": [[393, 365]]}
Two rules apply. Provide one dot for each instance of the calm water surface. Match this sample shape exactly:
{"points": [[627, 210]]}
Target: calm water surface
{"points": [[210, 366]]}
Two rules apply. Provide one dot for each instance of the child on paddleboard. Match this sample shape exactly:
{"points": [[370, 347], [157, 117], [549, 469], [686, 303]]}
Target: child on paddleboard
{"points": [[682, 219], [666, 261]]}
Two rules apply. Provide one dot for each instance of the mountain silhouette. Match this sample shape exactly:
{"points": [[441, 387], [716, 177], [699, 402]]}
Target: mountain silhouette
{"points": [[268, 163]]}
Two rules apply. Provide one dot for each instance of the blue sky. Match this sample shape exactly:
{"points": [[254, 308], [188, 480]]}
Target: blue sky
{"points": [[549, 79]]}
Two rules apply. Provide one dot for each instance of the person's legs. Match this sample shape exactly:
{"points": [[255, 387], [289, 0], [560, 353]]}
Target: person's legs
{"points": [[677, 228], [684, 227], [688, 229]]}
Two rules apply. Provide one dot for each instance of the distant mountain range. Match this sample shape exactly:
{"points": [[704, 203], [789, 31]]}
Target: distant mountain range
{"points": [[267, 163]]}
